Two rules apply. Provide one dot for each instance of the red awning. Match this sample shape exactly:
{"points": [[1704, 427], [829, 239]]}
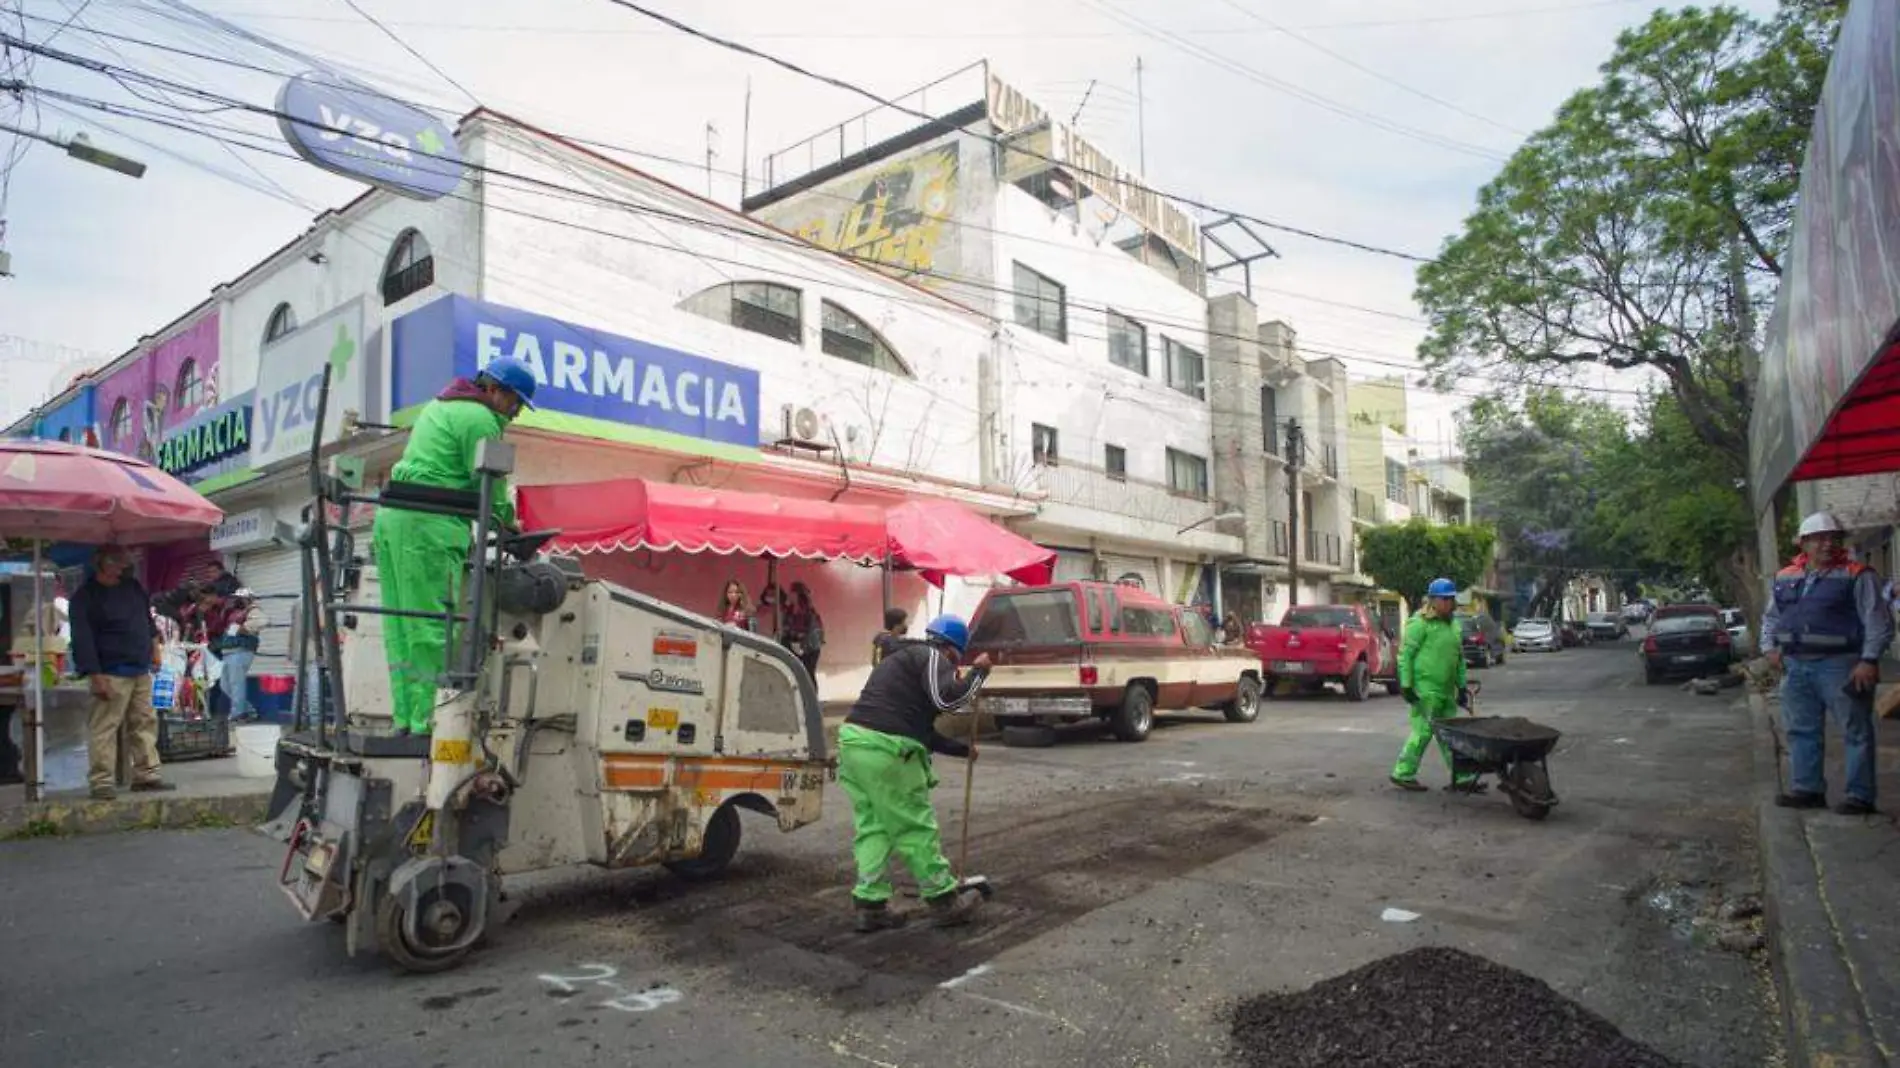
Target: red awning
{"points": [[939, 538], [633, 513], [1863, 437]]}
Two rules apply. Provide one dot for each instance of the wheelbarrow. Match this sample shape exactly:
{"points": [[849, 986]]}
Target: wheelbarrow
{"points": [[1510, 747]]}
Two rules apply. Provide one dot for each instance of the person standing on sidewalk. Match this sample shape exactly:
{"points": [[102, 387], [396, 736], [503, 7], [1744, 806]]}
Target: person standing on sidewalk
{"points": [[236, 640], [115, 647], [884, 752], [1826, 627], [1432, 681]]}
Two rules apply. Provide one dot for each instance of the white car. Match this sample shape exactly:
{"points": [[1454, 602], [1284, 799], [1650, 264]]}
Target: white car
{"points": [[1736, 623], [1536, 635]]}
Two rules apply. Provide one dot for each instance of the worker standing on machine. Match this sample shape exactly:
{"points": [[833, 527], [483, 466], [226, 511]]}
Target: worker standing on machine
{"points": [[884, 752], [420, 555], [1432, 681]]}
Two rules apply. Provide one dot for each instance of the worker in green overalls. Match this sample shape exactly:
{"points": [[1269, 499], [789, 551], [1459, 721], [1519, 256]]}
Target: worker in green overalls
{"points": [[1432, 681], [420, 555]]}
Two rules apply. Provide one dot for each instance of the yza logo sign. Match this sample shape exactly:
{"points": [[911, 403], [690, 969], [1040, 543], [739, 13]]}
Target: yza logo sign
{"points": [[361, 133], [290, 385]]}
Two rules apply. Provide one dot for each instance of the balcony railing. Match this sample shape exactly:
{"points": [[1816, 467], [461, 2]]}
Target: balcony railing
{"points": [[1321, 548], [1329, 460], [1086, 486]]}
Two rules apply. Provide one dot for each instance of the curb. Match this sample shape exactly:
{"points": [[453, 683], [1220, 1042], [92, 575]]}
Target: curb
{"points": [[1824, 1021], [53, 819]]}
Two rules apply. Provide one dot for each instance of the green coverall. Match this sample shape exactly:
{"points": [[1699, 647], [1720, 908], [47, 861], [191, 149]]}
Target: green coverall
{"points": [[888, 778], [1431, 665], [420, 557]]}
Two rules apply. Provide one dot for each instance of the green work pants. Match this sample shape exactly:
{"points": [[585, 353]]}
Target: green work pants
{"points": [[889, 779], [419, 561], [1429, 709]]}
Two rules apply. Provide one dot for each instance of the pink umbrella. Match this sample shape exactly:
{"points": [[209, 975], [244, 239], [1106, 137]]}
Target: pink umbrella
{"points": [[55, 492]]}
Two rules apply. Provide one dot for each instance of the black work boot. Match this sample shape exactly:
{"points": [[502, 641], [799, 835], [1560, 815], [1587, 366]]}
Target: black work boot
{"points": [[955, 908], [875, 916]]}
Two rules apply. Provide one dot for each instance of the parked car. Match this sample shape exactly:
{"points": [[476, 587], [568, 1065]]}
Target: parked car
{"points": [[1740, 639], [1092, 650], [1483, 639], [1313, 645], [1637, 612], [1607, 627], [1534, 636], [1686, 643]]}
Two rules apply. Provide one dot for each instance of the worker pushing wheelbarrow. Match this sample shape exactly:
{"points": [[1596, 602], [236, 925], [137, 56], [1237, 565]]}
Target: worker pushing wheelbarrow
{"points": [[1510, 747]]}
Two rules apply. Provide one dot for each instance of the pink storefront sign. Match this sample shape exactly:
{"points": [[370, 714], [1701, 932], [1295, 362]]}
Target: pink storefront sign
{"points": [[175, 381]]}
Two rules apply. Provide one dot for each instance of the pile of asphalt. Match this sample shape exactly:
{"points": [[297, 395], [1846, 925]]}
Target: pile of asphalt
{"points": [[1431, 1008]]}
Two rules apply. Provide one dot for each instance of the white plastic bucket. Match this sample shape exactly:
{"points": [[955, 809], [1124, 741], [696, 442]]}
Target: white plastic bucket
{"points": [[256, 745]]}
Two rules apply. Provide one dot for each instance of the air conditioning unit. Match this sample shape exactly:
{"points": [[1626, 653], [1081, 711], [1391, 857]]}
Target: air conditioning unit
{"points": [[803, 426]]}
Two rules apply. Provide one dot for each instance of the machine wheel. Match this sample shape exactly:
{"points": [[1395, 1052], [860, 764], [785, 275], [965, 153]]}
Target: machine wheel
{"points": [[1358, 682], [1245, 707], [716, 851], [1392, 688], [1029, 736], [1136, 716], [1530, 791], [445, 914]]}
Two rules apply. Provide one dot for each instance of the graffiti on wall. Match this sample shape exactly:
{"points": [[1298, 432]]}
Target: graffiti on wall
{"points": [[896, 216]]}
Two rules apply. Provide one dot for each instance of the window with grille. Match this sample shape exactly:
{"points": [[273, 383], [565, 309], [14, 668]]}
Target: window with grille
{"points": [[850, 338], [283, 320], [1115, 462], [766, 308], [1270, 418], [1043, 443], [1041, 304], [191, 389], [1187, 474], [1127, 343], [1187, 369], [411, 267], [1395, 482]]}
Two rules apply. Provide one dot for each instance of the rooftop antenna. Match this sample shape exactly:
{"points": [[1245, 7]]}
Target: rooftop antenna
{"points": [[745, 147], [712, 153], [1141, 124]]}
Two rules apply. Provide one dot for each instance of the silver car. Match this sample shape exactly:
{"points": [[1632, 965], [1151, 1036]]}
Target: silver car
{"points": [[1536, 635], [1736, 623]]}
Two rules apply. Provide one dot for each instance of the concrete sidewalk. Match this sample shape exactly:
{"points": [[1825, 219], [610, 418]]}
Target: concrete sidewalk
{"points": [[1833, 924], [210, 794]]}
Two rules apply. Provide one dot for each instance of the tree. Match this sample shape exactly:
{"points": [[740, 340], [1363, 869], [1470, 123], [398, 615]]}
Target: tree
{"points": [[1644, 229], [1406, 557]]}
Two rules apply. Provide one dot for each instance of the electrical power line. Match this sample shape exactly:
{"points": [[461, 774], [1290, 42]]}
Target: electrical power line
{"points": [[420, 58]]}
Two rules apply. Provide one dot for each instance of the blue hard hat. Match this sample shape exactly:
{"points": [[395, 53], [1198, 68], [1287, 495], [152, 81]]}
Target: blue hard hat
{"points": [[951, 629], [1443, 587], [514, 375]]}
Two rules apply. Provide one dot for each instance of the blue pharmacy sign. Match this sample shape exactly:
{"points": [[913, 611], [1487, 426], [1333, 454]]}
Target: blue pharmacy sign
{"points": [[583, 373], [357, 132]]}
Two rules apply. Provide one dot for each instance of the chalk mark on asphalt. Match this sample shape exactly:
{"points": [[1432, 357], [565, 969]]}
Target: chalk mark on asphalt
{"points": [[625, 999]]}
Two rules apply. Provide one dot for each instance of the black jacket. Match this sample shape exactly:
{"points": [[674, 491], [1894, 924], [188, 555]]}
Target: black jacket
{"points": [[112, 627], [909, 688]]}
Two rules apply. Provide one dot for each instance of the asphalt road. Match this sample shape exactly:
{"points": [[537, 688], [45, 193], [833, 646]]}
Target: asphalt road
{"points": [[1143, 889]]}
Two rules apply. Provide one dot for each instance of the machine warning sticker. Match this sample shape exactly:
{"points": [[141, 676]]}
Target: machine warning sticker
{"points": [[663, 719], [590, 649], [451, 751], [674, 645]]}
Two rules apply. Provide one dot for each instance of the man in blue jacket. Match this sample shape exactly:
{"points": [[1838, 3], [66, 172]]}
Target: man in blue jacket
{"points": [[115, 646], [1826, 627]]}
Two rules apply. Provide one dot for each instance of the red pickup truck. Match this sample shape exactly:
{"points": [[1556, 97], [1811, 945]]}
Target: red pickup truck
{"points": [[1316, 644]]}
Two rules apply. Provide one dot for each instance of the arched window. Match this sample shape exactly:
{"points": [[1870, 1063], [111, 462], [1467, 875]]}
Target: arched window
{"points": [[190, 391], [411, 267], [850, 338], [282, 321], [119, 430], [761, 307]]}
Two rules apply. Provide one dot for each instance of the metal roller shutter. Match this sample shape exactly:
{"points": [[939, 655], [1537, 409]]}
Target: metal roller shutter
{"points": [[276, 576]]}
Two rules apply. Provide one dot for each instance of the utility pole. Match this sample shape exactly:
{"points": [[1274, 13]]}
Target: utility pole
{"points": [[1295, 459], [1141, 123]]}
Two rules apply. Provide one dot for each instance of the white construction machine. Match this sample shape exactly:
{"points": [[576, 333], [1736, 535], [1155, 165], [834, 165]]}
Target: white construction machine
{"points": [[578, 722]]}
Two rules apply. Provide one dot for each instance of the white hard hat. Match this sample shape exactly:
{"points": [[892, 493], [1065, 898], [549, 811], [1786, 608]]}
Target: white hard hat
{"points": [[1820, 523], [244, 592]]}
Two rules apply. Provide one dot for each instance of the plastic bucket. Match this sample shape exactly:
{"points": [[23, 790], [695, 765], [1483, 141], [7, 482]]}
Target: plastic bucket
{"points": [[256, 745]]}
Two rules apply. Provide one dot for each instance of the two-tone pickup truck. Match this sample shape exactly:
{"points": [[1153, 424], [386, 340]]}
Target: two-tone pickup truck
{"points": [[1092, 650], [1315, 644]]}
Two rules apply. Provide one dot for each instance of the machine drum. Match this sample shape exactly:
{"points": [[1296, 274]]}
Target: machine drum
{"points": [[532, 589]]}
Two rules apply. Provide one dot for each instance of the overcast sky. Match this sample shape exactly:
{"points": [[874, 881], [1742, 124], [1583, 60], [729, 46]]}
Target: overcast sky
{"points": [[1374, 120]]}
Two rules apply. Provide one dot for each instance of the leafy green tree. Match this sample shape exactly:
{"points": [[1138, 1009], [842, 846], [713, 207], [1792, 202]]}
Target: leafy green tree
{"points": [[1644, 230], [1406, 557]]}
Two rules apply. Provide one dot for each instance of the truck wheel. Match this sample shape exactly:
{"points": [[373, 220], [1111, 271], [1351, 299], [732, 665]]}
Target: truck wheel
{"points": [[1136, 716], [716, 850], [1358, 682], [1245, 707], [1029, 736]]}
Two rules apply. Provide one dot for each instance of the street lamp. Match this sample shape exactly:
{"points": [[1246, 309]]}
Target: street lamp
{"points": [[1221, 518], [81, 148]]}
